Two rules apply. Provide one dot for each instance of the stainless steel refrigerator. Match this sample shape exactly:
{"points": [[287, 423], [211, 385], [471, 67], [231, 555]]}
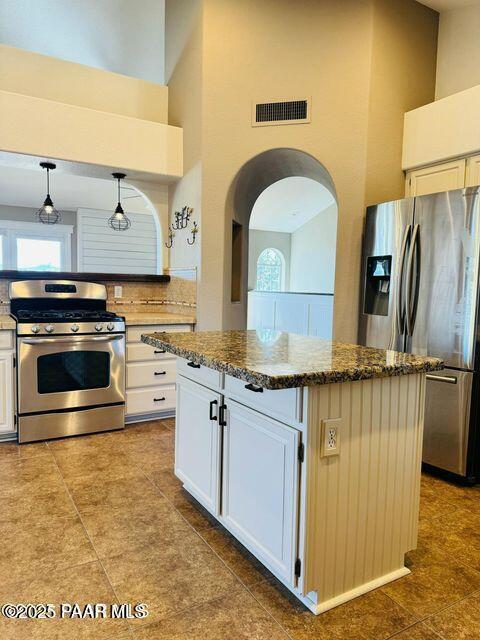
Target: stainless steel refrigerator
{"points": [[419, 294]]}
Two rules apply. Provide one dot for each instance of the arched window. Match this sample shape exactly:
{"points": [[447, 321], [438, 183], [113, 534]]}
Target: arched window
{"points": [[270, 271]]}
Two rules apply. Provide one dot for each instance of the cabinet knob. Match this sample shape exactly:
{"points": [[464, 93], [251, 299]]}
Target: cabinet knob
{"points": [[193, 365]]}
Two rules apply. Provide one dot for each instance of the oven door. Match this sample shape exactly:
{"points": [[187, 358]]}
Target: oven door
{"points": [[66, 372]]}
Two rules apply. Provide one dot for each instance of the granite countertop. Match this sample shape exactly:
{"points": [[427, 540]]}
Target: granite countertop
{"points": [[141, 318], [280, 360], [7, 322]]}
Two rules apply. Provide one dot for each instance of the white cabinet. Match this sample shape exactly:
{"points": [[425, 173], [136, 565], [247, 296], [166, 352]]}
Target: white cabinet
{"points": [[197, 442], [150, 374], [7, 384], [322, 523], [260, 486], [435, 178], [200, 373], [7, 408], [150, 390], [228, 450], [282, 404], [472, 177]]}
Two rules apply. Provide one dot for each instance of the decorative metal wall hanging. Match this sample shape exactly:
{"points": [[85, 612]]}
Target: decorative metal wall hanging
{"points": [[171, 235], [194, 232], [181, 218], [119, 221], [47, 214]]}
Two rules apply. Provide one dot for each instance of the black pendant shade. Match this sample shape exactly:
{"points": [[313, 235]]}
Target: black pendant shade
{"points": [[119, 221], [47, 214]]}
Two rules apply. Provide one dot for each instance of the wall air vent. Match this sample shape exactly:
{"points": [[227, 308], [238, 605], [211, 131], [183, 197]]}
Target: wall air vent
{"points": [[285, 112]]}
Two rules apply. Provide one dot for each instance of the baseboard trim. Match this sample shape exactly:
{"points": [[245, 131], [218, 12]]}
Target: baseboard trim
{"points": [[321, 607], [144, 417]]}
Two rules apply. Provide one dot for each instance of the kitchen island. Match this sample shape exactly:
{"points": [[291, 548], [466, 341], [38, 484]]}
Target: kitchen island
{"points": [[308, 451]]}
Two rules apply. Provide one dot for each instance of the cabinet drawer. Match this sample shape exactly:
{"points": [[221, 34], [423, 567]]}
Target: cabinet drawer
{"points": [[139, 352], [199, 373], [284, 404], [150, 374], [134, 334], [150, 400], [6, 339]]}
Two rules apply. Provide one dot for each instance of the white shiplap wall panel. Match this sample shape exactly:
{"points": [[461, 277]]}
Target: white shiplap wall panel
{"points": [[102, 249], [362, 505]]}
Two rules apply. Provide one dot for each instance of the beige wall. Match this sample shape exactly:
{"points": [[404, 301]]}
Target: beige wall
{"points": [[458, 64], [330, 51], [91, 122], [312, 261], [184, 69], [125, 36], [402, 77], [279, 50], [42, 76], [37, 127]]}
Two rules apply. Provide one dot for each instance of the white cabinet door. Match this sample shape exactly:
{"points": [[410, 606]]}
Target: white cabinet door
{"points": [[197, 442], [473, 171], [6, 393], [260, 487], [439, 177]]}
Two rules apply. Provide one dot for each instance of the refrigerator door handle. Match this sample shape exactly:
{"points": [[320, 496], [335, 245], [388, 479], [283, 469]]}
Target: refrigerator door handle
{"points": [[447, 379], [409, 303], [400, 289]]}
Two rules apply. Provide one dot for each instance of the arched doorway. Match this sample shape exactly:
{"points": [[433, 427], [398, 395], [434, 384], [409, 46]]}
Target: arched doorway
{"points": [[283, 209]]}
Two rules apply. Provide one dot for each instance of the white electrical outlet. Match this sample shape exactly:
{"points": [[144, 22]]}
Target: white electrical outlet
{"points": [[331, 437], [118, 291]]}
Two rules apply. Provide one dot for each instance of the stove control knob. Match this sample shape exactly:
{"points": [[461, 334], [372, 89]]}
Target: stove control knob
{"points": [[98, 327], [49, 328], [110, 326], [75, 328], [35, 328]]}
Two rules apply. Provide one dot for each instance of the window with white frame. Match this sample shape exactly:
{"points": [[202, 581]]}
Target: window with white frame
{"points": [[270, 271], [26, 246]]}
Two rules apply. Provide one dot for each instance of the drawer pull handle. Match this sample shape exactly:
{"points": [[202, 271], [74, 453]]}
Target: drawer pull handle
{"points": [[254, 388], [213, 403], [448, 379], [160, 351], [160, 373], [159, 399], [193, 365]]}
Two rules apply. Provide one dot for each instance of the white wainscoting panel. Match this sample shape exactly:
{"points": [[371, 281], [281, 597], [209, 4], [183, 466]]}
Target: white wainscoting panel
{"points": [[362, 505], [100, 249], [304, 313]]}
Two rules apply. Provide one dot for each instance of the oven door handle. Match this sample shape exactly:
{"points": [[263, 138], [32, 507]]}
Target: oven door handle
{"points": [[72, 340]]}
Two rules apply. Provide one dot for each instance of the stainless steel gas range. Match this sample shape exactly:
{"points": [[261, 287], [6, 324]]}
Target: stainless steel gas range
{"points": [[70, 359]]}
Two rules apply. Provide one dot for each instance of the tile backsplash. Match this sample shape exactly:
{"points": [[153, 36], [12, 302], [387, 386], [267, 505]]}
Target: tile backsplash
{"points": [[177, 296]]}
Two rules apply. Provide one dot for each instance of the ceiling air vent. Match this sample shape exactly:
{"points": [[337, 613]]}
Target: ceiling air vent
{"points": [[285, 112]]}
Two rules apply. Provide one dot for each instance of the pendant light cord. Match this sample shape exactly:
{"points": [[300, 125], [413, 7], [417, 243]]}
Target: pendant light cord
{"points": [[48, 181], [118, 180]]}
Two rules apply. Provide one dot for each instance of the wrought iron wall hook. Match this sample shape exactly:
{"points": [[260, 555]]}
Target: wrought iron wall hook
{"points": [[182, 218], [194, 232], [171, 235]]}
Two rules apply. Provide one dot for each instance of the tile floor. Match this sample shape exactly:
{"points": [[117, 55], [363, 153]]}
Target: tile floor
{"points": [[102, 518]]}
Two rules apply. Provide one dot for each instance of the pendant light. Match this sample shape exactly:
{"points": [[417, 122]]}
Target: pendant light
{"points": [[47, 214], [119, 220]]}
